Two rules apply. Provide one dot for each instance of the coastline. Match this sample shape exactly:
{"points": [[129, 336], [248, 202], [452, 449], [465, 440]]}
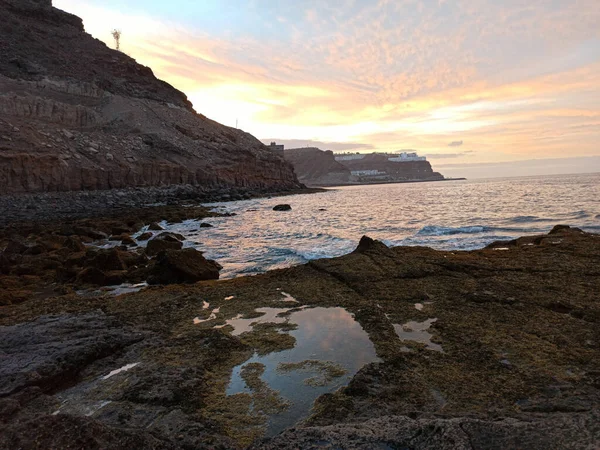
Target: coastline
{"points": [[384, 182], [515, 321], [45, 207]]}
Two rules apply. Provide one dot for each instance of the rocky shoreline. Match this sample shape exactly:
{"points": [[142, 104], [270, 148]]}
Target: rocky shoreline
{"points": [[50, 206], [493, 348]]}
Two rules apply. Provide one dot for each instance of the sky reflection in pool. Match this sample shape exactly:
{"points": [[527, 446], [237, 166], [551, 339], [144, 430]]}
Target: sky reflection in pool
{"points": [[326, 334]]}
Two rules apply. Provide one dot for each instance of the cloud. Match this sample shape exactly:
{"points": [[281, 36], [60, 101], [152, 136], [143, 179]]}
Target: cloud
{"points": [[335, 146], [363, 75], [446, 155]]}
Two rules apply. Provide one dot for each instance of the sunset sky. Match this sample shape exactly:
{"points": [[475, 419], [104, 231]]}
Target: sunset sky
{"points": [[471, 84]]}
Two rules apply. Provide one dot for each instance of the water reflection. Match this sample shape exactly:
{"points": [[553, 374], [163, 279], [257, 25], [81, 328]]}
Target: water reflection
{"points": [[325, 334], [417, 332]]}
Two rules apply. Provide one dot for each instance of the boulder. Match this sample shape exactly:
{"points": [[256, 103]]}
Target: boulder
{"points": [[155, 227], [282, 208], [72, 243], [155, 246], [129, 241], [107, 260], [183, 266], [171, 237], [205, 225], [91, 233], [15, 248], [144, 236], [92, 275], [35, 249]]}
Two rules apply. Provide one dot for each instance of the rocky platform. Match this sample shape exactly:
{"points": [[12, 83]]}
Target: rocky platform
{"points": [[77, 116], [515, 326]]}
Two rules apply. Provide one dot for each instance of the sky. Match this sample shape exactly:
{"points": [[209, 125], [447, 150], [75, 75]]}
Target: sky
{"points": [[477, 86]]}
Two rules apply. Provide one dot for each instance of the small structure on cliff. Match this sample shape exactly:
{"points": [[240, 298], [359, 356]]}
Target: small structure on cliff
{"points": [[276, 148]]}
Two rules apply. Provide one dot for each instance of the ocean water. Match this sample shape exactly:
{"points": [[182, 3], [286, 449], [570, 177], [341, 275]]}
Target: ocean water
{"points": [[454, 215]]}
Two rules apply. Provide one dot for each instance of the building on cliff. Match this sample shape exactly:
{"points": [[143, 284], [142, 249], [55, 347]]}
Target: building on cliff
{"points": [[321, 168]]}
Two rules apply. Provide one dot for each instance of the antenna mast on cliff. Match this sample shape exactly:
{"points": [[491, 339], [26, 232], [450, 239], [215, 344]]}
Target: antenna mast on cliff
{"points": [[116, 34]]}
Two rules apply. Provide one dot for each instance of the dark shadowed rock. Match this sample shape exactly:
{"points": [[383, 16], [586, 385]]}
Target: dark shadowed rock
{"points": [[129, 241], [69, 432], [15, 247], [144, 236], [183, 266], [566, 431], [107, 260], [366, 244], [52, 350], [205, 225], [155, 227], [74, 244], [564, 228], [170, 237], [282, 208], [92, 275], [155, 246]]}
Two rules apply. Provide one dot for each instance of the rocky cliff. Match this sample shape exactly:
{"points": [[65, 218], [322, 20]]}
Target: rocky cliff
{"points": [[317, 167], [76, 115], [401, 171]]}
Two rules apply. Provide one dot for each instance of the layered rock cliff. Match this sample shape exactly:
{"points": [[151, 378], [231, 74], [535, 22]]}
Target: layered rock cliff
{"points": [[76, 115], [317, 167]]}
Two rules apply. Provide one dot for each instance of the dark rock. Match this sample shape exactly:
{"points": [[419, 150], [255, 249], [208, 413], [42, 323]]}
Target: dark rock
{"points": [[116, 231], [5, 263], [366, 244], [155, 227], [171, 237], [15, 247], [144, 236], [35, 249], [50, 351], [94, 234], [282, 208], [92, 275], [563, 228], [564, 431], [70, 432], [206, 225], [72, 243], [129, 241], [155, 246], [107, 260], [183, 266]]}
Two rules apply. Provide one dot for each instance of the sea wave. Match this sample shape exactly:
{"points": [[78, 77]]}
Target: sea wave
{"points": [[434, 230], [528, 219]]}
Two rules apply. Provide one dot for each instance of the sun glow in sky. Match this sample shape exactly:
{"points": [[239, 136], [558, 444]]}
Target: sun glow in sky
{"points": [[464, 82]]}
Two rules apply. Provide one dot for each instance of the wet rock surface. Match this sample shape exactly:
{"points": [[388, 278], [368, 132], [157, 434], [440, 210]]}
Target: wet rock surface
{"points": [[51, 350], [519, 367]]}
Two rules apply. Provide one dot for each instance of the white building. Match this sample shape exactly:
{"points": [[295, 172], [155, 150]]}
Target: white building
{"points": [[405, 156]]}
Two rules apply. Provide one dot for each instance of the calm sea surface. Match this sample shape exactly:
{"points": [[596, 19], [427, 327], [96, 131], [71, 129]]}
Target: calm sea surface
{"points": [[457, 215]]}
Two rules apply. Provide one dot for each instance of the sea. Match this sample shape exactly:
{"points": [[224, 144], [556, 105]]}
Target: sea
{"points": [[451, 215]]}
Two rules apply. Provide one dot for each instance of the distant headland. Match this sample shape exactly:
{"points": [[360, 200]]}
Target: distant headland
{"points": [[316, 167]]}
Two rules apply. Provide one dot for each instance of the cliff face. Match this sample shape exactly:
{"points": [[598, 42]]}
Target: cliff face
{"points": [[76, 115], [317, 167]]}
